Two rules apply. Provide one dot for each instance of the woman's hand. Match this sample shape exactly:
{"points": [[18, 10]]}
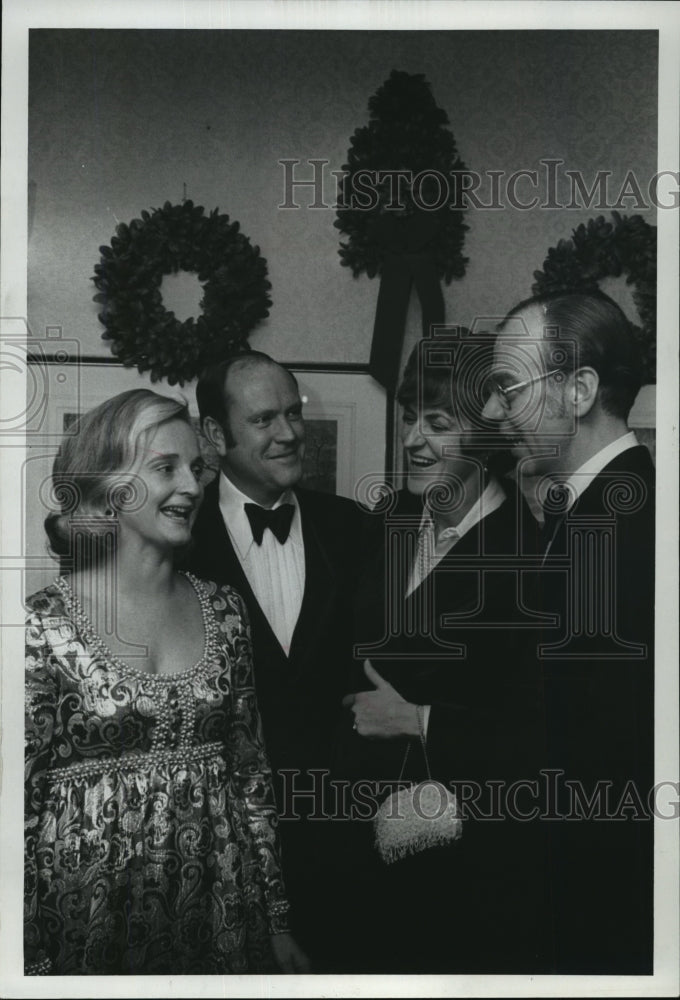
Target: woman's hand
{"points": [[381, 714], [288, 954]]}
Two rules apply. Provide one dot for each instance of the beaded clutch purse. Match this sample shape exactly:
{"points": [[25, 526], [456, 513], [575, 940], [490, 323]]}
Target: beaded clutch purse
{"points": [[418, 817]]}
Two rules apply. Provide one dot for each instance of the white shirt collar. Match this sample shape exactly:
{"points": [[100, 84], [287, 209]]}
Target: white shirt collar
{"points": [[579, 481], [488, 501], [232, 507], [431, 551]]}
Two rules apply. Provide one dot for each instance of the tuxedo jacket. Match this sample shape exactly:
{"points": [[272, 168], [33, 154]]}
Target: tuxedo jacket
{"points": [[595, 653], [597, 581], [299, 695]]}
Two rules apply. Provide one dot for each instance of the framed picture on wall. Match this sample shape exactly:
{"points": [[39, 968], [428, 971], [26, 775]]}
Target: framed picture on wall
{"points": [[345, 413], [346, 418]]}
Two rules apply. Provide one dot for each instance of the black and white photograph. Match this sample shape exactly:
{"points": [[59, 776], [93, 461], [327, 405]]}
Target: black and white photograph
{"points": [[339, 366]]}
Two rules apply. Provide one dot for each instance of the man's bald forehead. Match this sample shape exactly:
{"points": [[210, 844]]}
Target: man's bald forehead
{"points": [[250, 364], [524, 333], [528, 322]]}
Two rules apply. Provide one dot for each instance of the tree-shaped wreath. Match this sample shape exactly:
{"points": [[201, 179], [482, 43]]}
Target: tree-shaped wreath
{"points": [[141, 331], [401, 207], [599, 250]]}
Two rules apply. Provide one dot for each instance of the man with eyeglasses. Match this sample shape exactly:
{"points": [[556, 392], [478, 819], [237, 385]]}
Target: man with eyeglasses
{"points": [[564, 376]]}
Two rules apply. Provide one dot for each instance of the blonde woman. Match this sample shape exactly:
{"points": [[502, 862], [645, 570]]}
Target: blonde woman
{"points": [[150, 826]]}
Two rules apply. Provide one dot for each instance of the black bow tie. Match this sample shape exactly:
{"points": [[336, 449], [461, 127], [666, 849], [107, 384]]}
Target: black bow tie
{"points": [[278, 520]]}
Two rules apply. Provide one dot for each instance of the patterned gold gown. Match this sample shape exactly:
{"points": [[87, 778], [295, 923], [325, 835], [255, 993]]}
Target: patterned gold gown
{"points": [[149, 816]]}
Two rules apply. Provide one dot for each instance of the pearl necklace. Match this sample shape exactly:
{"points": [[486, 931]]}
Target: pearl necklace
{"points": [[84, 626]]}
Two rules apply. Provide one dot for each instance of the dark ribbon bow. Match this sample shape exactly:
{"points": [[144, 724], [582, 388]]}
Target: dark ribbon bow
{"points": [[278, 520]]}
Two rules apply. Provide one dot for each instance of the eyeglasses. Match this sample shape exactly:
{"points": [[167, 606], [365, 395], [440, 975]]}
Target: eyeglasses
{"points": [[502, 392]]}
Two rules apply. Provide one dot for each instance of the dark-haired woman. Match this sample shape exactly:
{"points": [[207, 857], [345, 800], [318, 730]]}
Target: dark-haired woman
{"points": [[149, 818], [440, 693]]}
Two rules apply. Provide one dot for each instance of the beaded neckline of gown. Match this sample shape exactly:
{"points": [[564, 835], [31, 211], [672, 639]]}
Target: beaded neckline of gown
{"points": [[95, 641]]}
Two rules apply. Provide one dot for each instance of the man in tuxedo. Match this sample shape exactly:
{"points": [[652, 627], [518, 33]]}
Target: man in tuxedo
{"points": [[292, 554], [564, 376]]}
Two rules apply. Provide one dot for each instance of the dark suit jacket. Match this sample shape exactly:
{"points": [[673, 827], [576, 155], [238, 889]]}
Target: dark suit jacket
{"points": [[597, 667], [449, 643], [299, 695], [483, 892]]}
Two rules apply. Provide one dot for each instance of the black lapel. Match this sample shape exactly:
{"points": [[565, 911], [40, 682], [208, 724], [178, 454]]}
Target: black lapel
{"points": [[395, 569], [468, 545], [493, 534], [632, 471], [216, 559], [320, 591], [214, 556]]}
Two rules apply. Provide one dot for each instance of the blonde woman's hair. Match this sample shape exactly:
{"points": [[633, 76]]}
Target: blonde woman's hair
{"points": [[88, 480]]}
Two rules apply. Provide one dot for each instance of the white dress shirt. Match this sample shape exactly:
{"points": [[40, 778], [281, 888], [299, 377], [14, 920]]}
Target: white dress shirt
{"points": [[275, 572]]}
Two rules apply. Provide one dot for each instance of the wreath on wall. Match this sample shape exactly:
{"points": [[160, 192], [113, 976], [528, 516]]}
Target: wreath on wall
{"points": [[141, 331], [599, 249], [395, 232]]}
